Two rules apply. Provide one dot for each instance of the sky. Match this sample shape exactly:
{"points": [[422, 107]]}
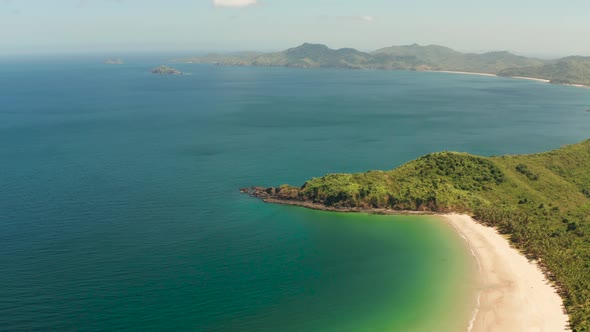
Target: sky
{"points": [[546, 28]]}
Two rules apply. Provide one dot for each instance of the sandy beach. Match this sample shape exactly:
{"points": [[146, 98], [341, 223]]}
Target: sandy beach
{"points": [[516, 77], [531, 79], [461, 72], [578, 86], [514, 294]]}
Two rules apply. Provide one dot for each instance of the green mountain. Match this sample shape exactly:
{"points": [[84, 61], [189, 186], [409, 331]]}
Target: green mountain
{"points": [[443, 58], [315, 56], [541, 200], [410, 57], [570, 70], [414, 56], [304, 56]]}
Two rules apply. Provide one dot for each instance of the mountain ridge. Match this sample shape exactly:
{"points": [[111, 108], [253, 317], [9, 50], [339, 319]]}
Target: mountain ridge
{"points": [[568, 70]]}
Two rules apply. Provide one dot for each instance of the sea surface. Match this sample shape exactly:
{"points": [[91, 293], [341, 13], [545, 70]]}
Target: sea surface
{"points": [[120, 208]]}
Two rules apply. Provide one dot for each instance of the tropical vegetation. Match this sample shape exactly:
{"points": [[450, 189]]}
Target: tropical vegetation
{"points": [[570, 70], [542, 201]]}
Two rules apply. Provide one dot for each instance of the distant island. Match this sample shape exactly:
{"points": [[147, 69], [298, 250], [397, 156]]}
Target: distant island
{"points": [[569, 70], [113, 61], [542, 201], [165, 70]]}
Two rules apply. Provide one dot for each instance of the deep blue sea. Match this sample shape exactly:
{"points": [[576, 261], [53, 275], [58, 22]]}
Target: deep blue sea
{"points": [[120, 208]]}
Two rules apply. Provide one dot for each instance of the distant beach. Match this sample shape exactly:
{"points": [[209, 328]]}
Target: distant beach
{"points": [[531, 79], [494, 75], [514, 293], [460, 72]]}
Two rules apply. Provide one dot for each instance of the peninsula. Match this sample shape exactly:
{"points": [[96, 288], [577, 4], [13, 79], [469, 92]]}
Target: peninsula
{"points": [[569, 70], [540, 201]]}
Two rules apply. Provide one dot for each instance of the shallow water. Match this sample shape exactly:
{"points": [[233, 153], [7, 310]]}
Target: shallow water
{"points": [[120, 203]]}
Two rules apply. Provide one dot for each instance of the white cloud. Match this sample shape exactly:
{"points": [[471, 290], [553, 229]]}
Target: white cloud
{"points": [[368, 18], [234, 3]]}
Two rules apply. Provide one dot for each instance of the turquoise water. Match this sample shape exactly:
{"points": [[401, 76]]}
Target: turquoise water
{"points": [[120, 209]]}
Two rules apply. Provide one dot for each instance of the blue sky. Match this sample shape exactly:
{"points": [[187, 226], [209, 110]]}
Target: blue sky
{"points": [[541, 27]]}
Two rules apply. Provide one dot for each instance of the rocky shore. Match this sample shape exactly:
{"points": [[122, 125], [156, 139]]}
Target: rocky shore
{"points": [[291, 196]]}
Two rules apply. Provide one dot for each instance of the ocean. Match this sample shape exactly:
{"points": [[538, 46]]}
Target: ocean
{"points": [[120, 206]]}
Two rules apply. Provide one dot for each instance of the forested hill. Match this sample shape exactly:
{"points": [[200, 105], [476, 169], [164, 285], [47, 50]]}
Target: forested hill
{"points": [[541, 200], [434, 57], [571, 70], [410, 57]]}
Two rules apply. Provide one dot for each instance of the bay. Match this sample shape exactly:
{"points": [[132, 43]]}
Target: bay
{"points": [[120, 207]]}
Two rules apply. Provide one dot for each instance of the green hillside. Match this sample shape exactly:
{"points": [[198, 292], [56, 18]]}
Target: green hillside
{"points": [[443, 58], [410, 57], [315, 56], [541, 200], [416, 57], [570, 70]]}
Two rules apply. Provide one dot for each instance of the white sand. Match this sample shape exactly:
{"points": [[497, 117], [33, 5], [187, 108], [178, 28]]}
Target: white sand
{"points": [[461, 72], [514, 294], [517, 77], [578, 85], [532, 79]]}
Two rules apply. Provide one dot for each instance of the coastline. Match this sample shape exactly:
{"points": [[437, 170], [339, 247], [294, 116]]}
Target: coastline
{"points": [[514, 294], [531, 79], [541, 80], [461, 72], [321, 207]]}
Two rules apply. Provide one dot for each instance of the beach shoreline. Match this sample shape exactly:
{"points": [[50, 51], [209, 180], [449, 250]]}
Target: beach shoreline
{"points": [[461, 72], [540, 80], [513, 292], [496, 75]]}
